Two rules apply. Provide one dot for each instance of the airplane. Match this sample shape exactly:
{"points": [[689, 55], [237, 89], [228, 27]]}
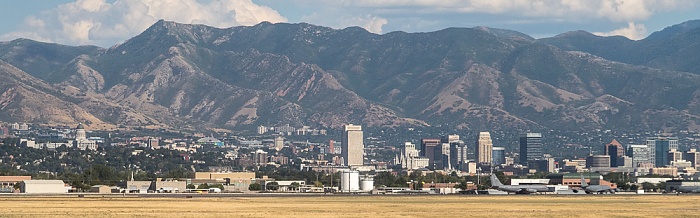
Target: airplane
{"points": [[596, 189], [688, 189], [517, 189]]}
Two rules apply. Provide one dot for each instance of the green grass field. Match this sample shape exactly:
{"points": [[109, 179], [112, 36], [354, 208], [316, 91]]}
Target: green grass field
{"points": [[357, 206]]}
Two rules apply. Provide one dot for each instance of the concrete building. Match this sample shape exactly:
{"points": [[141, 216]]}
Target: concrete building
{"points": [[169, 186], [598, 161], [427, 149], [692, 156], [138, 186], [259, 157], [210, 142], [484, 148], [81, 142], [574, 179], [674, 155], [641, 154], [279, 143], [43, 186], [232, 181], [530, 147], [542, 165], [670, 171], [449, 138], [660, 146], [7, 183], [498, 156], [458, 154], [442, 156], [353, 145], [102, 189], [615, 150]]}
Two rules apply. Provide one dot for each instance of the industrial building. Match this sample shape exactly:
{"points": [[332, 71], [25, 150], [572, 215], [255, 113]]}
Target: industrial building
{"points": [[102, 189], [43, 187]]}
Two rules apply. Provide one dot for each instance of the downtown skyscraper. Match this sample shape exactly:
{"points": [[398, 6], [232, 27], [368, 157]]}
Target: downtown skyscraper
{"points": [[353, 145]]}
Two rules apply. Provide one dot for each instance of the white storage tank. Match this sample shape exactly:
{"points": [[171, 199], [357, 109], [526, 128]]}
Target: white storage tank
{"points": [[345, 181], [367, 184], [350, 181]]}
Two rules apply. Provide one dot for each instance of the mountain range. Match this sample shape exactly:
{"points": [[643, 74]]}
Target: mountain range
{"points": [[194, 77]]}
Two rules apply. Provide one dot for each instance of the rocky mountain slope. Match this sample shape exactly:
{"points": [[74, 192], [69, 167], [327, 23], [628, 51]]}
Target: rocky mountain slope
{"points": [[194, 76]]}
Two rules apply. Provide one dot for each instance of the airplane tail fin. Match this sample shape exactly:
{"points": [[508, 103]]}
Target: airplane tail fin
{"points": [[495, 182], [583, 181]]}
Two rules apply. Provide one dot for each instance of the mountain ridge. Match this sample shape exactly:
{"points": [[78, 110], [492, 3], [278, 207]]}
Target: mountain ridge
{"points": [[190, 77]]}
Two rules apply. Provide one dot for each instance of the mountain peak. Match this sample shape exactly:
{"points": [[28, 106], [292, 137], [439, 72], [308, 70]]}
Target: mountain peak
{"points": [[675, 30]]}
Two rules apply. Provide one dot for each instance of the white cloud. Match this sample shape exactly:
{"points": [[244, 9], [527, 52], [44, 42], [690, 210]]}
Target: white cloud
{"points": [[370, 23], [103, 23], [614, 10], [632, 31]]}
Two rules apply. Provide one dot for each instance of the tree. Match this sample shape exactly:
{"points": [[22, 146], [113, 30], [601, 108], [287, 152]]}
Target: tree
{"points": [[634, 187], [661, 186], [272, 186], [191, 186], [318, 184], [203, 186], [255, 187], [648, 186], [295, 186]]}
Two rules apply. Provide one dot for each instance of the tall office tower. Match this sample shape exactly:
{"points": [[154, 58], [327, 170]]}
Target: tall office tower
{"points": [[484, 148], [660, 146], [427, 149], [458, 154], [353, 145], [674, 155], [692, 156], [530, 147], [498, 156], [615, 150], [641, 154], [442, 156], [450, 138]]}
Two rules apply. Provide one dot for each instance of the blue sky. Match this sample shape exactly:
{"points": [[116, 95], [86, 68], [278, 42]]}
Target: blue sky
{"points": [[109, 22]]}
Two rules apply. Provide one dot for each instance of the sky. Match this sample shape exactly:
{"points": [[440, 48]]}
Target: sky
{"points": [[109, 22]]}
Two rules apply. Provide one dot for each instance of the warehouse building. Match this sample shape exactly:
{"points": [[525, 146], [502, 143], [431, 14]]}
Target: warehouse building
{"points": [[43, 186]]}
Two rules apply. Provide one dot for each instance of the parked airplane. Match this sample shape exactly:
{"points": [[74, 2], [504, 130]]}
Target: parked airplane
{"points": [[688, 189], [596, 189], [518, 189]]}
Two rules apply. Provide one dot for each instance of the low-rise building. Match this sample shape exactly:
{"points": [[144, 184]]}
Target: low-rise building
{"points": [[7, 183], [102, 189], [169, 186], [138, 186], [43, 186]]}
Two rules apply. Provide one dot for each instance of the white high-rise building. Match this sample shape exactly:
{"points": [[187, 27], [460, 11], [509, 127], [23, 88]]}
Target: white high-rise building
{"points": [[353, 145], [279, 143], [484, 148]]}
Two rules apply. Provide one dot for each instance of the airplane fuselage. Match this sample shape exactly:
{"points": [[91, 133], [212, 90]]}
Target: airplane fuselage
{"points": [[523, 189]]}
